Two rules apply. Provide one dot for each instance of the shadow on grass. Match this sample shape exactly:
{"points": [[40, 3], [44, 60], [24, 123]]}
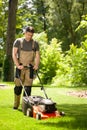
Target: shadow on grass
{"points": [[75, 118]]}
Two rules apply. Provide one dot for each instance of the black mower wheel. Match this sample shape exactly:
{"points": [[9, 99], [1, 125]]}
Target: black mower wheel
{"points": [[62, 113], [38, 116], [24, 107], [29, 112]]}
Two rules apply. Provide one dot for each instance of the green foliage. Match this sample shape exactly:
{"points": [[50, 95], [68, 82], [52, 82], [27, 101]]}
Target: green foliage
{"points": [[59, 68], [41, 38], [72, 69], [50, 56], [79, 64], [65, 16], [81, 30], [63, 73], [31, 13], [1, 57], [3, 28]]}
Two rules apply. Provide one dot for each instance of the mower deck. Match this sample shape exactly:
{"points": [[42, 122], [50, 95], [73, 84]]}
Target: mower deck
{"points": [[43, 115]]}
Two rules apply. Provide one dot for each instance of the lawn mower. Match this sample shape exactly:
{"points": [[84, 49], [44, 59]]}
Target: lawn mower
{"points": [[39, 107]]}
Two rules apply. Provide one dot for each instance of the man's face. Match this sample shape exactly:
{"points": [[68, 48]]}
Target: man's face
{"points": [[28, 36]]}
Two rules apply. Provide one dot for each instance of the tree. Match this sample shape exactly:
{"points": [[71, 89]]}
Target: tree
{"points": [[8, 68], [36, 15], [41, 11], [64, 17]]}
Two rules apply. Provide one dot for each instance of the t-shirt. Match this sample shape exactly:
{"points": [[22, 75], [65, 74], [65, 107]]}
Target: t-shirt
{"points": [[26, 45]]}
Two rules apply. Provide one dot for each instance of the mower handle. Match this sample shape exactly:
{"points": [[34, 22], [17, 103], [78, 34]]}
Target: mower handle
{"points": [[27, 67], [42, 88]]}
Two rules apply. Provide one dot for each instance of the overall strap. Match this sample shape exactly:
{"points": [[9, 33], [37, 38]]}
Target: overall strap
{"points": [[21, 43], [33, 46], [20, 47]]}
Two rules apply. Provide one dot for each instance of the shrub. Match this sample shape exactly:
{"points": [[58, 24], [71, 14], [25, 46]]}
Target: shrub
{"points": [[50, 57], [78, 64]]}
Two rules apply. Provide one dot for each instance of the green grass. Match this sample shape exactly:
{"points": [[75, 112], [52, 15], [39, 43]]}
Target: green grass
{"points": [[74, 107]]}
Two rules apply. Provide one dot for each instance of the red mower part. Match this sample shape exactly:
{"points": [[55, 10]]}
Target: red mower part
{"points": [[41, 115]]}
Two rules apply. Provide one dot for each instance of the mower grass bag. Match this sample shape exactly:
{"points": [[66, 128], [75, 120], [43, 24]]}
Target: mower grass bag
{"points": [[39, 107]]}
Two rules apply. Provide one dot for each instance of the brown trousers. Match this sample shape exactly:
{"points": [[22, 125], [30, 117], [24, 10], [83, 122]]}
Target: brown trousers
{"points": [[25, 78]]}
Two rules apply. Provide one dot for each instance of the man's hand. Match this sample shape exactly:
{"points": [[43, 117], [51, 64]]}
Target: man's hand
{"points": [[20, 67], [35, 67]]}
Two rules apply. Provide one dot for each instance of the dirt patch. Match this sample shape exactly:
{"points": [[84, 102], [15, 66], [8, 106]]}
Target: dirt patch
{"points": [[3, 86], [78, 93]]}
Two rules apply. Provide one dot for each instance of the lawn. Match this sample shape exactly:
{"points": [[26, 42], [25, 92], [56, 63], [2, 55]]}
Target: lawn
{"points": [[74, 107]]}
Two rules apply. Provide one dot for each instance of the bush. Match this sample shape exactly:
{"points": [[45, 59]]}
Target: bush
{"points": [[79, 64], [63, 73], [72, 69], [50, 57], [59, 68]]}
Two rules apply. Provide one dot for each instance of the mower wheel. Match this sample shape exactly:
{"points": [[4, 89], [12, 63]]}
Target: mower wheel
{"points": [[62, 113], [29, 112], [38, 116], [24, 107]]}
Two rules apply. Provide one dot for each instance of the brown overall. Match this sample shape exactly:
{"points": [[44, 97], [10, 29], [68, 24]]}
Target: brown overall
{"points": [[25, 58]]}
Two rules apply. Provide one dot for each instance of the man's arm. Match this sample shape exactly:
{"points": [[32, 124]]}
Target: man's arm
{"points": [[37, 60], [14, 56]]}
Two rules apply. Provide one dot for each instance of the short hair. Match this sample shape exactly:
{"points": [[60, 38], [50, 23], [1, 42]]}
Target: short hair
{"points": [[29, 29]]}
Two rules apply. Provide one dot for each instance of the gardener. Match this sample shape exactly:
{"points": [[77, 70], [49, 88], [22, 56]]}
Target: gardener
{"points": [[25, 52]]}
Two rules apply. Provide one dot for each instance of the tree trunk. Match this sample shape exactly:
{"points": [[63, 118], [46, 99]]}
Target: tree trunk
{"points": [[9, 66]]}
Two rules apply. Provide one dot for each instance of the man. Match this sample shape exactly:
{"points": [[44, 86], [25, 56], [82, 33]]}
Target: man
{"points": [[25, 52]]}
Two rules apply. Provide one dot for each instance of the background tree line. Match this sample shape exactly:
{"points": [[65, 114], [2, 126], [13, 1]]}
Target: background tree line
{"points": [[58, 24]]}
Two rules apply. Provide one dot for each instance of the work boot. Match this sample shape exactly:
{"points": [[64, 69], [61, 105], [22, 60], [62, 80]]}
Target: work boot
{"points": [[16, 101]]}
